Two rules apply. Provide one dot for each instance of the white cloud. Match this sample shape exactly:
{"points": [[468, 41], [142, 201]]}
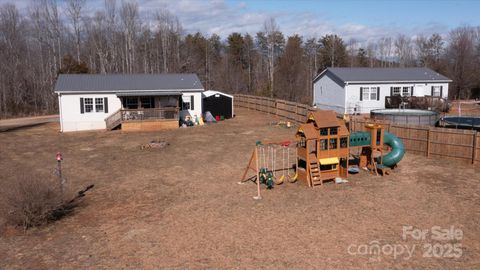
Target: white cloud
{"points": [[221, 18]]}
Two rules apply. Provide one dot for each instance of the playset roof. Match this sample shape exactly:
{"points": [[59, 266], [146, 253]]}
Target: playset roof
{"points": [[308, 131], [324, 118]]}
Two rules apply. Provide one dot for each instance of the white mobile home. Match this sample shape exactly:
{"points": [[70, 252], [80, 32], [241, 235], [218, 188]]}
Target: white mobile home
{"points": [[360, 90], [132, 102]]}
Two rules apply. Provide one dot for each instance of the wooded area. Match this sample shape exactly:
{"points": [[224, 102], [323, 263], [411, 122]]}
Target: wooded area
{"points": [[454, 144], [39, 43]]}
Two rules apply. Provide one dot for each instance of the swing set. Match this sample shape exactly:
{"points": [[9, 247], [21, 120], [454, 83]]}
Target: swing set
{"points": [[265, 160]]}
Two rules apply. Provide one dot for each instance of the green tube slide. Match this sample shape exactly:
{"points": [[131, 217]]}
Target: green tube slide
{"points": [[362, 138]]}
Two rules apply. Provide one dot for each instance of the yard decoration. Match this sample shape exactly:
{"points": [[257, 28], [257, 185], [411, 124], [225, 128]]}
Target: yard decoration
{"points": [[61, 180]]}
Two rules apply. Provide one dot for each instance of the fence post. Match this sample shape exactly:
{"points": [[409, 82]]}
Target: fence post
{"points": [[474, 145], [428, 142]]}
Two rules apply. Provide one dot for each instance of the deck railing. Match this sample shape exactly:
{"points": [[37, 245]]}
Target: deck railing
{"points": [[125, 115], [114, 120], [149, 114]]}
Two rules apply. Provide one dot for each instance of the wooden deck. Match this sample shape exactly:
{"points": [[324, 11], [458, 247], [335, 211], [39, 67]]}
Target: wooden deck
{"points": [[143, 119]]}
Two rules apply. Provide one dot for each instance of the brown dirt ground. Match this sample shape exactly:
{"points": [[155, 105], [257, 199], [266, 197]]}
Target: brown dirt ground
{"points": [[181, 207]]}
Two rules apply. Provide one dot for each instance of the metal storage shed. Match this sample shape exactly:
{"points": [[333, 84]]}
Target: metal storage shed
{"points": [[218, 103]]}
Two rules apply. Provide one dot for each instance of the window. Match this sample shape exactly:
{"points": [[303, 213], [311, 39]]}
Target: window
{"points": [[396, 91], [330, 167], [333, 143], [131, 103], [343, 142], [187, 103], [333, 131], [302, 143], [406, 91], [147, 102], [323, 131], [99, 104], [323, 144], [88, 103], [369, 93], [373, 93], [366, 93], [436, 91]]}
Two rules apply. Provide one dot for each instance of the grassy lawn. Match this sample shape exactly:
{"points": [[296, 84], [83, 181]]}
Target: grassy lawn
{"points": [[180, 207]]}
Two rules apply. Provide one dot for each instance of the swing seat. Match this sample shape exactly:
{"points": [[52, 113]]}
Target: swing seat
{"points": [[293, 179], [280, 180]]}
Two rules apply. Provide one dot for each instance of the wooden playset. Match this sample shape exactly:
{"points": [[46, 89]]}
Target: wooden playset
{"points": [[323, 149], [265, 162]]}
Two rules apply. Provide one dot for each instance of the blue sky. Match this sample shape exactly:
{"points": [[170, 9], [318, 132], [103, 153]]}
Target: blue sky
{"points": [[362, 20], [408, 12], [392, 17]]}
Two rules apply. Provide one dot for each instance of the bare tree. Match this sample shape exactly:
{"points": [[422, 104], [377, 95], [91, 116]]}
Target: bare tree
{"points": [[461, 55], [275, 41], [352, 51], [130, 23], [403, 50], [74, 10]]}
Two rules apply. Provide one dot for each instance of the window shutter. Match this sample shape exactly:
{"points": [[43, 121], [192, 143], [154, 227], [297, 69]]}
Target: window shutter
{"points": [[81, 105], [191, 103], [441, 91], [361, 93], [391, 91], [105, 105], [411, 91], [378, 93], [432, 91]]}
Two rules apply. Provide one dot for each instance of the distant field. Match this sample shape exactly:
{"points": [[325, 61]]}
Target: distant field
{"points": [[181, 207]]}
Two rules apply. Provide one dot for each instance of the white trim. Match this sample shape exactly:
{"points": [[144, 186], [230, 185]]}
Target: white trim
{"points": [[60, 112], [209, 93], [136, 90], [363, 82], [374, 82], [319, 75]]}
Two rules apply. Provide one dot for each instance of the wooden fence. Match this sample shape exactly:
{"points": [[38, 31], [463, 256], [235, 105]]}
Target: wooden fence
{"points": [[454, 144], [292, 111]]}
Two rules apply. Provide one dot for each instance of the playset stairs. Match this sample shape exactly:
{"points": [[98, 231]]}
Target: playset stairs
{"points": [[314, 169]]}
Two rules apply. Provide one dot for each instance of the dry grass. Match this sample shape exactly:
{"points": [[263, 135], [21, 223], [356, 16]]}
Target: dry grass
{"points": [[33, 201], [180, 207]]}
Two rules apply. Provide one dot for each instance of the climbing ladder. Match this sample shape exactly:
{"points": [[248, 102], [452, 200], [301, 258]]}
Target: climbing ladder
{"points": [[314, 169]]}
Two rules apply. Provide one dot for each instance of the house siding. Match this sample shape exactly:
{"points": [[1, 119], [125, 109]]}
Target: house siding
{"points": [[197, 100], [365, 106], [73, 120], [329, 94]]}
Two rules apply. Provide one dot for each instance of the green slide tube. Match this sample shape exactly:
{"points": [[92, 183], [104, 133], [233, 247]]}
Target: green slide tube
{"points": [[363, 138], [398, 150]]}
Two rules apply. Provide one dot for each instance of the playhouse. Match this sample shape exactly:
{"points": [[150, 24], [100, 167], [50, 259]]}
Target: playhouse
{"points": [[322, 148]]}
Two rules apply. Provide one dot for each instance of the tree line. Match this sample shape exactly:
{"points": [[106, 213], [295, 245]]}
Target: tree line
{"points": [[39, 44]]}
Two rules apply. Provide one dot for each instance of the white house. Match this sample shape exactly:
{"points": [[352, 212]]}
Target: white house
{"points": [[360, 90], [132, 102]]}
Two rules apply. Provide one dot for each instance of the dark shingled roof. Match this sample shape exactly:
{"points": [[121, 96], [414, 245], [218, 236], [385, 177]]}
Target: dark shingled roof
{"points": [[353, 75], [127, 82]]}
